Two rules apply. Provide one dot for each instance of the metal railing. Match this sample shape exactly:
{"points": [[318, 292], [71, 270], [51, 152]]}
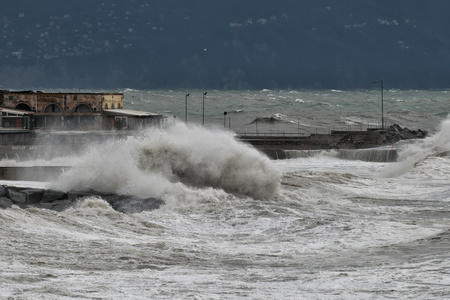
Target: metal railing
{"points": [[273, 134], [316, 130]]}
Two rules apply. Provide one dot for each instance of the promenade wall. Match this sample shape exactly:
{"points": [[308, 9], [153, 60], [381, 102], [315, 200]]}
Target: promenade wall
{"points": [[28, 144]]}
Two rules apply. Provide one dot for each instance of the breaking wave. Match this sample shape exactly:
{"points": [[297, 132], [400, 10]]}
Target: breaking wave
{"points": [[413, 153], [156, 162]]}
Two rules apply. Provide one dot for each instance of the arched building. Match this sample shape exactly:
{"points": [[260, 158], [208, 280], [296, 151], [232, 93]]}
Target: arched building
{"points": [[76, 111]]}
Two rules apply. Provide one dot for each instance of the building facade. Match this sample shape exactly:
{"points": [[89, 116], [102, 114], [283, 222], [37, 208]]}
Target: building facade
{"points": [[72, 111], [40, 102]]}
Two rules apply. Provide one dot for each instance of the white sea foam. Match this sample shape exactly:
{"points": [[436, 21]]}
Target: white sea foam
{"points": [[335, 229], [411, 154], [154, 163], [442, 138]]}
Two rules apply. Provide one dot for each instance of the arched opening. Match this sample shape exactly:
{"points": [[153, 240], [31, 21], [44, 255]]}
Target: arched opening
{"points": [[106, 105], [83, 108], [52, 108], [23, 106]]}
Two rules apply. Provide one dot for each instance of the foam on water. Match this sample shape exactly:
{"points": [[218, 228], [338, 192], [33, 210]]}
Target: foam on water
{"points": [[412, 153], [334, 228], [162, 163]]}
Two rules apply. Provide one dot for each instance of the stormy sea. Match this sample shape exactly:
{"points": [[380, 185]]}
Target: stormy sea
{"points": [[235, 224]]}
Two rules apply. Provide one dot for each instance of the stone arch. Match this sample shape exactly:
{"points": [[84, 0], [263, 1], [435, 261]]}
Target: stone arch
{"points": [[83, 108], [23, 106], [52, 108]]}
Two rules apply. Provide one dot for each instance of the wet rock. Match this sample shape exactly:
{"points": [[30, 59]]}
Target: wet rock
{"points": [[2, 191], [420, 134], [396, 128], [60, 201], [5, 203], [62, 205], [33, 195], [395, 133], [52, 195], [131, 205], [15, 196]]}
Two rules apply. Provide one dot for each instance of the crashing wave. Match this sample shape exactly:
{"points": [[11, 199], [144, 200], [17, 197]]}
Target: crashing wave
{"points": [[150, 164]]}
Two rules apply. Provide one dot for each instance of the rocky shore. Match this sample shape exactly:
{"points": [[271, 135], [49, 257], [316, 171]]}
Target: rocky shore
{"points": [[60, 201]]}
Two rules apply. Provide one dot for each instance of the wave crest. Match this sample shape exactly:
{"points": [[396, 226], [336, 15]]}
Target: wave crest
{"points": [[202, 158], [148, 165]]}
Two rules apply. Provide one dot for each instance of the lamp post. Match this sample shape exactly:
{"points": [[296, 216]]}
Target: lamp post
{"points": [[382, 110], [185, 110], [203, 117], [224, 119]]}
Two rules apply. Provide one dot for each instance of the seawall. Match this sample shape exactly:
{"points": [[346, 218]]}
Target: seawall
{"points": [[371, 154], [48, 145], [281, 147]]}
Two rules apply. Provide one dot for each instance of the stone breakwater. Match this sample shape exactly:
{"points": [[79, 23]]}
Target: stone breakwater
{"points": [[275, 147], [336, 139], [60, 201]]}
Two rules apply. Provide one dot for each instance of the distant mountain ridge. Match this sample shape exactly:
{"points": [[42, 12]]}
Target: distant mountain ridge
{"points": [[224, 44]]}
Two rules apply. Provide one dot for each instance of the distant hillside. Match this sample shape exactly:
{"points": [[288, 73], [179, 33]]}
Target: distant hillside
{"points": [[224, 44]]}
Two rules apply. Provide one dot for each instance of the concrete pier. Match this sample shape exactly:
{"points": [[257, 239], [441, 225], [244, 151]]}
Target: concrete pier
{"points": [[276, 147]]}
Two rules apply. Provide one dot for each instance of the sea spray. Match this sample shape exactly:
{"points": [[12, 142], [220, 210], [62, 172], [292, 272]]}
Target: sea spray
{"points": [[204, 158], [442, 138], [155, 162], [110, 167], [412, 153]]}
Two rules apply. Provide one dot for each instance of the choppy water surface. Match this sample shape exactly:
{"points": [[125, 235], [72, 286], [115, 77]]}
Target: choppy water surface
{"points": [[292, 111], [238, 225]]}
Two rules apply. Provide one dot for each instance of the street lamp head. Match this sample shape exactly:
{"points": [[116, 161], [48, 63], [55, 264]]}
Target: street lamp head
{"points": [[205, 93], [187, 94], [376, 81]]}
